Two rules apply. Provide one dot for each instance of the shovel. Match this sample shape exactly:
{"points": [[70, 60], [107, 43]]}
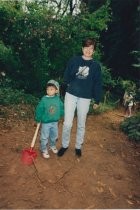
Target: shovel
{"points": [[28, 155]]}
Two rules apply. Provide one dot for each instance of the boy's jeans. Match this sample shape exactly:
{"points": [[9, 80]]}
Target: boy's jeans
{"points": [[71, 103], [49, 131]]}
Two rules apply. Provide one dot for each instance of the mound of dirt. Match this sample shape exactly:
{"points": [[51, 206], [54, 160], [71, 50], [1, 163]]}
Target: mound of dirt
{"points": [[106, 176]]}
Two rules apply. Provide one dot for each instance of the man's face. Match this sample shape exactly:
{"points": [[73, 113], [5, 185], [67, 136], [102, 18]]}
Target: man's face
{"points": [[88, 51]]}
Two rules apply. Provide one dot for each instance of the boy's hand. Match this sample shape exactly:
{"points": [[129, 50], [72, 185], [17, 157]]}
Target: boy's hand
{"points": [[95, 106]]}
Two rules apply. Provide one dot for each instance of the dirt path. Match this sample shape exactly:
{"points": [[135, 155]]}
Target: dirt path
{"points": [[106, 176]]}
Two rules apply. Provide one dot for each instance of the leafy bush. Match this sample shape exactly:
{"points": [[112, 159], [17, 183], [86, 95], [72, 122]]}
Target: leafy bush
{"points": [[36, 42], [10, 96], [104, 107], [131, 126]]}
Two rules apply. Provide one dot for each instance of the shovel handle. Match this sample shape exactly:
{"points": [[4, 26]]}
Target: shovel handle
{"points": [[35, 135]]}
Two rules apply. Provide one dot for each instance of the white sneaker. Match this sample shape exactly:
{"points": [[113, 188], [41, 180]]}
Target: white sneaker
{"points": [[46, 155], [54, 149]]}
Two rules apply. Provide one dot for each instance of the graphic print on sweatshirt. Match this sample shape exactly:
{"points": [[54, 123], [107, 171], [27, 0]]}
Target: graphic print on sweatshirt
{"points": [[83, 72], [52, 109]]}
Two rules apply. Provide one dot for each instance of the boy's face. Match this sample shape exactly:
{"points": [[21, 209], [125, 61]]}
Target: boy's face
{"points": [[51, 91], [88, 51]]}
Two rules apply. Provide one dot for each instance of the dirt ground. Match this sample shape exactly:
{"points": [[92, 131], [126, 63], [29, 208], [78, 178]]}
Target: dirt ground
{"points": [[106, 176]]}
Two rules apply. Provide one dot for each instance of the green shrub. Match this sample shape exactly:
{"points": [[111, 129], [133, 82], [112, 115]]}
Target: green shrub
{"points": [[131, 126], [10, 96], [104, 107]]}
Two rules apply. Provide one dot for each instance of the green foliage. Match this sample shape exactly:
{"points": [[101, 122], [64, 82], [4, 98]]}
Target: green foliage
{"points": [[128, 85], [131, 126], [36, 42], [10, 96], [108, 81], [5, 52], [8, 59], [121, 86], [104, 107]]}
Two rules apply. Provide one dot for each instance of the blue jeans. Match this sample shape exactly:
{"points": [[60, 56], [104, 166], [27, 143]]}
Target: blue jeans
{"points": [[71, 103], [49, 131]]}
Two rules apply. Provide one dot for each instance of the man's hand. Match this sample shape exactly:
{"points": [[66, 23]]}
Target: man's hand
{"points": [[95, 106]]}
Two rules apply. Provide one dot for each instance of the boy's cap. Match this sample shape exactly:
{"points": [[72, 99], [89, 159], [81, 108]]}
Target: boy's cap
{"points": [[54, 83]]}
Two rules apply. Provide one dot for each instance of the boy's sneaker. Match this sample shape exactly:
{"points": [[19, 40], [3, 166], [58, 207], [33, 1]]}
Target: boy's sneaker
{"points": [[62, 151], [54, 149], [46, 155], [78, 152]]}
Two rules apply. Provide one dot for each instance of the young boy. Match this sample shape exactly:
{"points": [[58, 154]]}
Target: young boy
{"points": [[49, 110]]}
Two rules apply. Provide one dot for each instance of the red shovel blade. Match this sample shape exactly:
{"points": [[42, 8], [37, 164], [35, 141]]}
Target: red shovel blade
{"points": [[28, 156]]}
